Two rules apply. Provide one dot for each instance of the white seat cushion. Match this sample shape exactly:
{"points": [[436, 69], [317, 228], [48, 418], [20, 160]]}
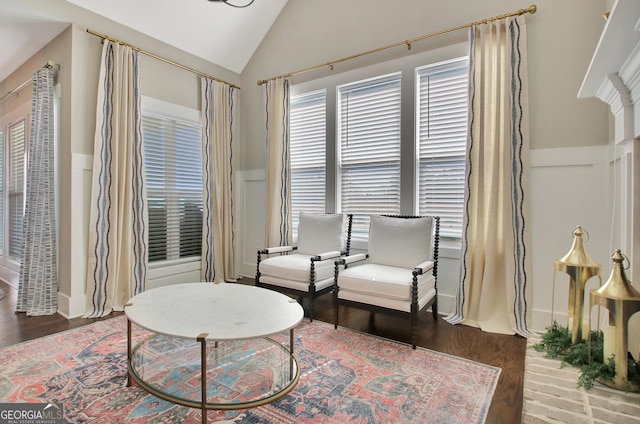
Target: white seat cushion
{"points": [[383, 281], [296, 285], [295, 267], [401, 242], [320, 233], [399, 305]]}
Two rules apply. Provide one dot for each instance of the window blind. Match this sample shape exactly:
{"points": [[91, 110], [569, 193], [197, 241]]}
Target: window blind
{"points": [[441, 113], [16, 187], [307, 147], [173, 161], [368, 131]]}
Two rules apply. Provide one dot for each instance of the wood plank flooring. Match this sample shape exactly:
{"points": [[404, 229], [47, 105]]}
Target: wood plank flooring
{"points": [[506, 352]]}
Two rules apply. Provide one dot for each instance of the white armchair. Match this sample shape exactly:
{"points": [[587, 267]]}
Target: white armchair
{"points": [[399, 273], [307, 269]]}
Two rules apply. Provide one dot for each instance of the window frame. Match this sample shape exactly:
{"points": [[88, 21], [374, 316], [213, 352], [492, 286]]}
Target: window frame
{"points": [[160, 108], [407, 65], [16, 117], [389, 86], [315, 110], [450, 225]]}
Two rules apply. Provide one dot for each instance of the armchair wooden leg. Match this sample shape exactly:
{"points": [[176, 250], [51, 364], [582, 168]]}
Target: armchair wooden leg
{"points": [[414, 330], [434, 309], [311, 308], [335, 308]]}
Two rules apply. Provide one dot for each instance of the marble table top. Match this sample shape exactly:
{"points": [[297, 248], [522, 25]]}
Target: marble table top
{"points": [[224, 311]]}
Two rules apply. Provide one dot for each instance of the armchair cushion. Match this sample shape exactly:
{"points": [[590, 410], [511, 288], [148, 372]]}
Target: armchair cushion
{"points": [[400, 242], [383, 281], [296, 267], [399, 305], [318, 233], [296, 285]]}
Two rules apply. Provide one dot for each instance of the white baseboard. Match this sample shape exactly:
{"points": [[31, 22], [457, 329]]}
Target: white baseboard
{"points": [[71, 307]]}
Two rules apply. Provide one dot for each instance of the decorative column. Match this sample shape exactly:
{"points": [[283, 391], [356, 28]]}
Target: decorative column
{"points": [[580, 267], [622, 301]]}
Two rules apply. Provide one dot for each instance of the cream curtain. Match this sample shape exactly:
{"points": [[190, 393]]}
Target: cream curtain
{"points": [[38, 284], [495, 272], [218, 208], [117, 264], [278, 176]]}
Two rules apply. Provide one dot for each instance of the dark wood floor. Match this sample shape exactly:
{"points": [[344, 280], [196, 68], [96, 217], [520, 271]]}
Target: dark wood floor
{"points": [[506, 352]]}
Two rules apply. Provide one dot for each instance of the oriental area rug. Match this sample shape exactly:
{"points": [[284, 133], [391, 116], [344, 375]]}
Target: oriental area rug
{"points": [[345, 377]]}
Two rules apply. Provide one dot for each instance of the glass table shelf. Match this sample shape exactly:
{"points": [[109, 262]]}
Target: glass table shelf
{"points": [[211, 345], [240, 373]]}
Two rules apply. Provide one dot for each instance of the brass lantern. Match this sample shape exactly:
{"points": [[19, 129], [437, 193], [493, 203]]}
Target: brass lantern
{"points": [[580, 267], [622, 301]]}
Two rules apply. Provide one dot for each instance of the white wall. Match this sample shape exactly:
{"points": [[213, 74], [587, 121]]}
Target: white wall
{"points": [[565, 179], [569, 187], [569, 137], [562, 36], [78, 54]]}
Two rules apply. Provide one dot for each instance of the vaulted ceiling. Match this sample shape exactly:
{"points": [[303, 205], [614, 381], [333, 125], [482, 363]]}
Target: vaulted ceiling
{"points": [[216, 32]]}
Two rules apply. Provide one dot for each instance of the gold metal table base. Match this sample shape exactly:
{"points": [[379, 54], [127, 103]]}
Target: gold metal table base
{"points": [[203, 404]]}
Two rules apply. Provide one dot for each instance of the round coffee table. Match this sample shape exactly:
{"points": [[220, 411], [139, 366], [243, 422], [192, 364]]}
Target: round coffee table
{"points": [[209, 345]]}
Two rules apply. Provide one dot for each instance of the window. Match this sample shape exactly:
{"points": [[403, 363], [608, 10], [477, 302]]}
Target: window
{"points": [[441, 120], [15, 209], [368, 128], [173, 161], [395, 139], [307, 146]]}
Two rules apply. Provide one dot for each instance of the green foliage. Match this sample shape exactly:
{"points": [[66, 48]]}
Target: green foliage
{"points": [[555, 342], [589, 357], [596, 370], [579, 354]]}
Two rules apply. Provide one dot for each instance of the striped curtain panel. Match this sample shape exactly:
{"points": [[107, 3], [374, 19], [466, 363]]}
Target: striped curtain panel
{"points": [[278, 207], [118, 247], [38, 284], [495, 272], [217, 179]]}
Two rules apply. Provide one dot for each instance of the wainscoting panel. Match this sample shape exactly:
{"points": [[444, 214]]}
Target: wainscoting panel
{"points": [[569, 187], [250, 220]]}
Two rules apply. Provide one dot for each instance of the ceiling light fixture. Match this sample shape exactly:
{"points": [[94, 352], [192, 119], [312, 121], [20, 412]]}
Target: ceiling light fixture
{"points": [[231, 4]]}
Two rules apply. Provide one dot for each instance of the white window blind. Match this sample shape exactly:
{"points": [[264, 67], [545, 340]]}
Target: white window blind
{"points": [[173, 161], [441, 118], [307, 147], [15, 210], [368, 131]]}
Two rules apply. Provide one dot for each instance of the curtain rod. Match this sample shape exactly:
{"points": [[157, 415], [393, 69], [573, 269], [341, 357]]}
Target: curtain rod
{"points": [[49, 64], [155, 56], [531, 9]]}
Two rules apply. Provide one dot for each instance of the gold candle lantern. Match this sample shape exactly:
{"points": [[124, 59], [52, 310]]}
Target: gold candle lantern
{"points": [[622, 301], [580, 267]]}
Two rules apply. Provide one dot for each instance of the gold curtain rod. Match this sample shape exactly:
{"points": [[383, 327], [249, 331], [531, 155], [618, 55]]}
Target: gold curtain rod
{"points": [[531, 9], [155, 56], [49, 64]]}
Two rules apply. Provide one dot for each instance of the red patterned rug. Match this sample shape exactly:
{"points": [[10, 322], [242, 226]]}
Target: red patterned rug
{"points": [[346, 377]]}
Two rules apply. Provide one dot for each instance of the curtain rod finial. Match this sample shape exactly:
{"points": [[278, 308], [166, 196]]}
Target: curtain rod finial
{"points": [[532, 9]]}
